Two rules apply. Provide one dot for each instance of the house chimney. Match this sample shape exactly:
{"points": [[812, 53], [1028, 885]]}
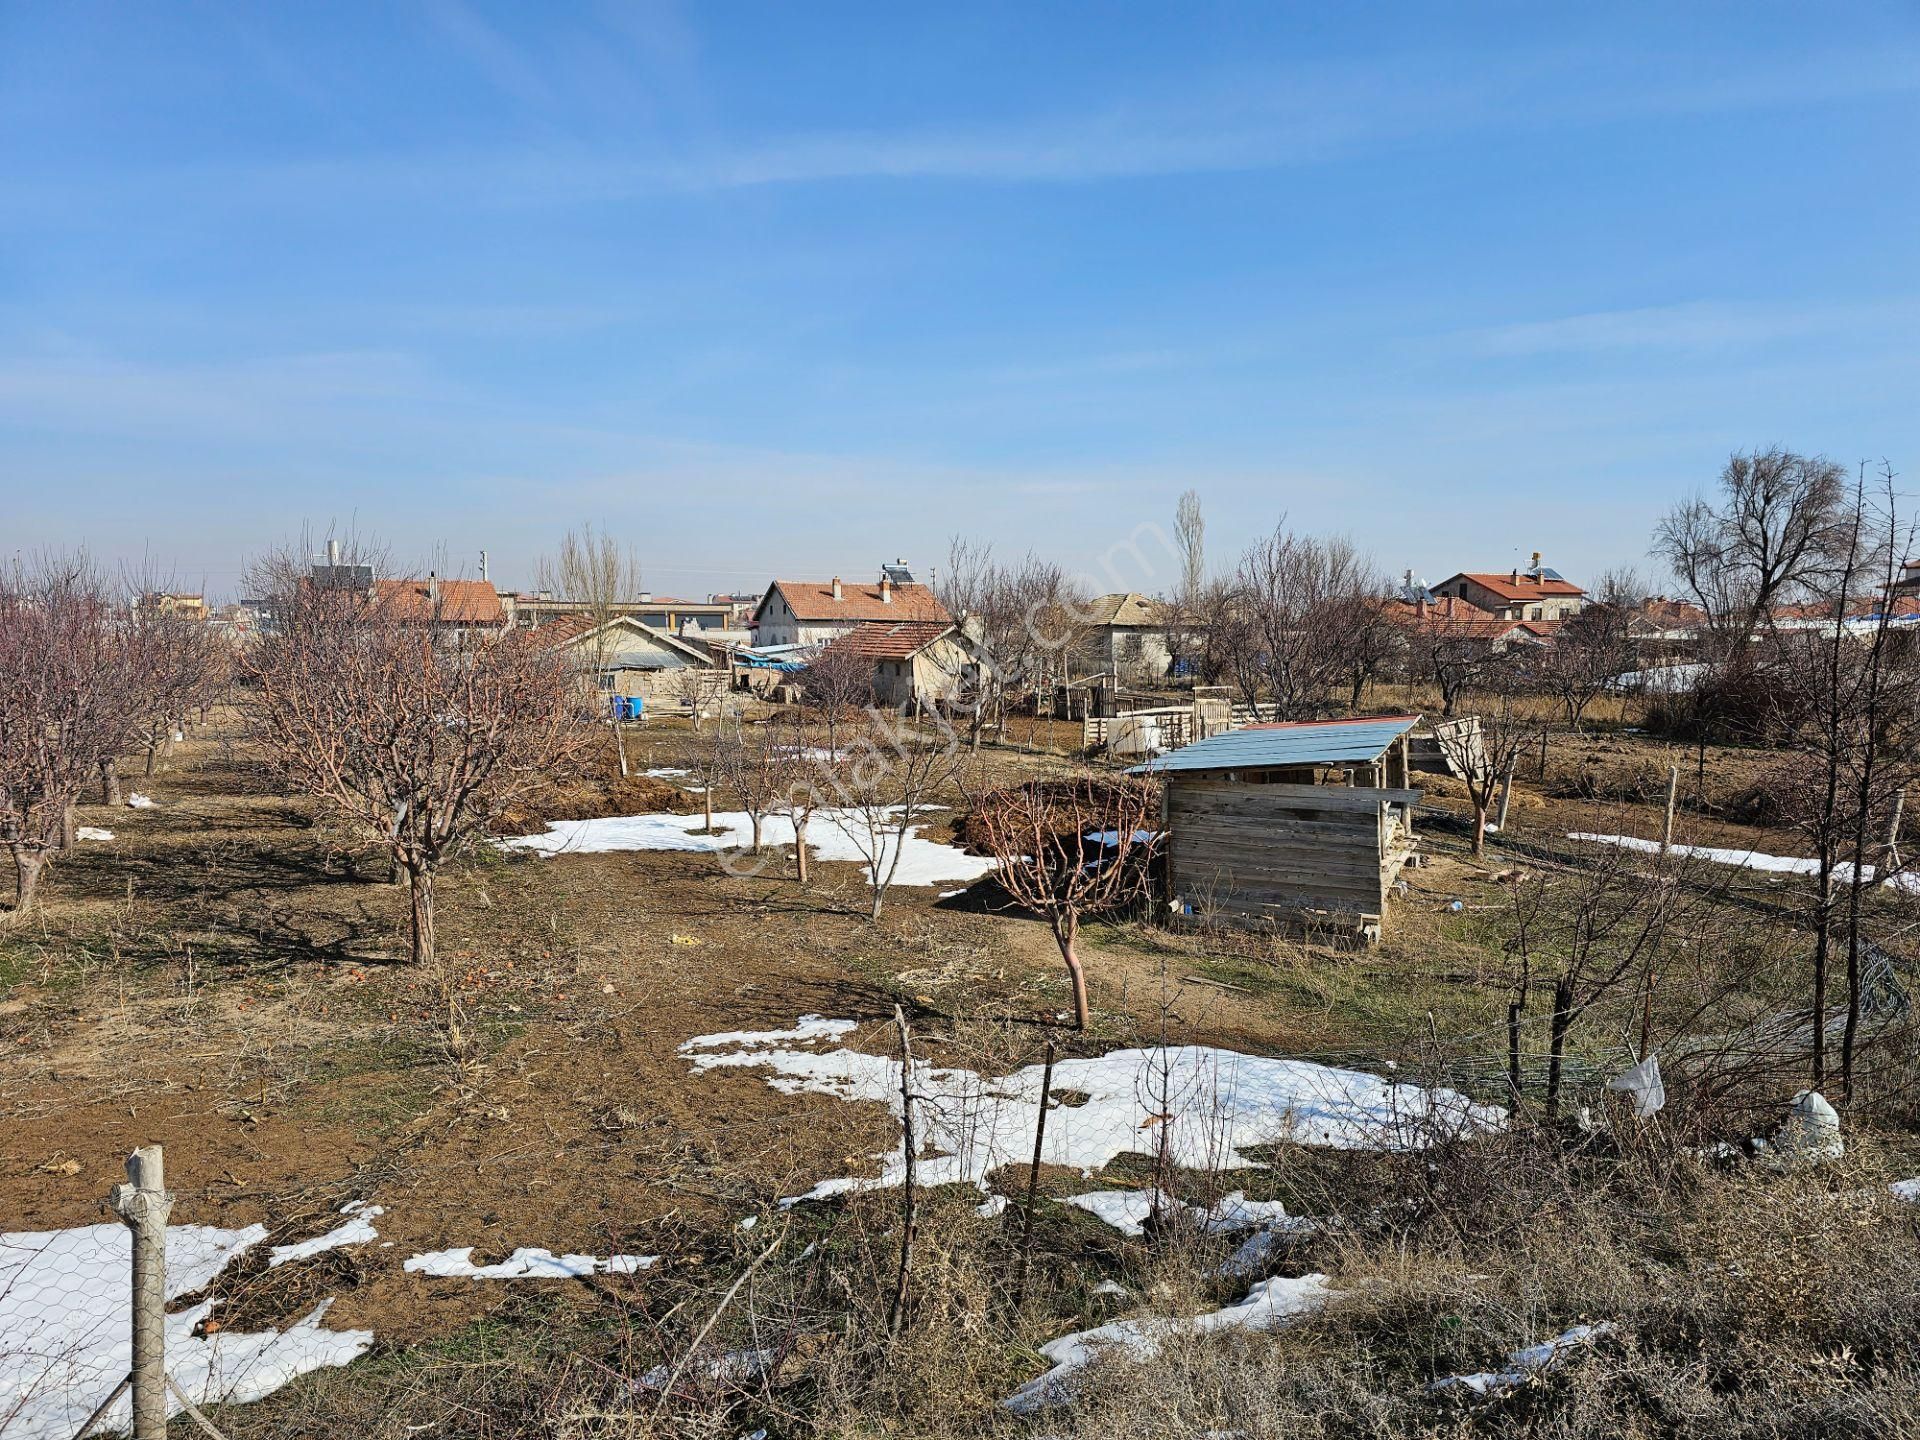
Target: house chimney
{"points": [[1420, 605], [333, 551], [836, 587], [483, 564], [1516, 575], [1536, 561], [433, 591], [886, 590]]}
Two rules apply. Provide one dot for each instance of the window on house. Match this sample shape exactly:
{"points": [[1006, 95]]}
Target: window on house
{"points": [[606, 678], [1535, 613]]}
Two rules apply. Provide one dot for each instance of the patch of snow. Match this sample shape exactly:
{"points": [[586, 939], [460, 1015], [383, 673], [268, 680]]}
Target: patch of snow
{"points": [[65, 1341], [526, 1264], [137, 801], [994, 1205], [1111, 1287], [356, 1231], [668, 773], [1268, 1306], [1125, 1210], [922, 862], [1907, 1190], [1748, 859], [1221, 1102], [1524, 1364], [809, 1027], [92, 832]]}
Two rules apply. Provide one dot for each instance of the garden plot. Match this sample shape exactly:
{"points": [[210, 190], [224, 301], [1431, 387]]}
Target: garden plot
{"points": [[922, 862], [1202, 1105]]}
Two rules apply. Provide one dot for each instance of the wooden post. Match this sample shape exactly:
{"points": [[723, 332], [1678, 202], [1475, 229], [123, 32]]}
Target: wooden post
{"points": [[144, 1204], [896, 1311], [1673, 796], [1893, 831], [1506, 793], [1033, 1179]]}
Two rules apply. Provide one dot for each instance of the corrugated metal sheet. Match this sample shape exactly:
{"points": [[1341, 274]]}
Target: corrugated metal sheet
{"points": [[1312, 742]]}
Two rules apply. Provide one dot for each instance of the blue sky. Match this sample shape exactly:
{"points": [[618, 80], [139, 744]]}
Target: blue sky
{"points": [[795, 288]]}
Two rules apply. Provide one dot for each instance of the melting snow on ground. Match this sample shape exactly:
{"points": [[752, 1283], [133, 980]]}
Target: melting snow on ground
{"points": [[137, 801], [92, 832], [1907, 1190], [1212, 1103], [1269, 1305], [64, 1340], [534, 1264], [1746, 859], [1523, 1364], [356, 1231], [922, 862]]}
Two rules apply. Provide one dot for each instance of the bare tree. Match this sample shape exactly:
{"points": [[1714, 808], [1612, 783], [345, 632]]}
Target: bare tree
{"points": [[411, 735], [1593, 646], [838, 684], [700, 688], [1182, 613], [754, 763], [1027, 622], [593, 570], [1303, 596], [65, 680], [1071, 848], [1484, 755], [1452, 645], [885, 784], [1774, 531]]}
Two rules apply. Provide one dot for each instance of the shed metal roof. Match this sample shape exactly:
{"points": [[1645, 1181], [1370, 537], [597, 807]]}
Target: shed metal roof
{"points": [[1303, 742]]}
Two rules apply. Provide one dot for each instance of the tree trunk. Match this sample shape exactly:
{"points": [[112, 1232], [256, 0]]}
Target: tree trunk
{"points": [[66, 826], [1557, 1044], [1513, 1050], [1066, 931], [756, 834], [28, 861], [1479, 830], [153, 747], [800, 849], [619, 744], [109, 781], [420, 883]]}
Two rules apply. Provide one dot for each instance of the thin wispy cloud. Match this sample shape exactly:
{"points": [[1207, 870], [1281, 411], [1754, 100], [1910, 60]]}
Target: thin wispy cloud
{"points": [[1692, 326]]}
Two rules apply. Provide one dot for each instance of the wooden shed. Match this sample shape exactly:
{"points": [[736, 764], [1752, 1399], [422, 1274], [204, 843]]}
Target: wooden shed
{"points": [[1279, 822]]}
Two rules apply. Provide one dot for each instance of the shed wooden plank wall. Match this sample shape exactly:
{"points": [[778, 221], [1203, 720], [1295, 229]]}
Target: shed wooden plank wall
{"points": [[1254, 849]]}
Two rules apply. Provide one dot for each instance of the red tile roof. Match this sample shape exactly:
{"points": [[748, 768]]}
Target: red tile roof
{"points": [[1525, 588], [877, 640], [462, 602], [812, 600]]}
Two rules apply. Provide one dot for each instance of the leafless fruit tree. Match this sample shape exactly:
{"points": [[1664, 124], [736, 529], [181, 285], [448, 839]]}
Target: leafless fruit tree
{"points": [[1303, 596], [885, 784], [412, 736], [838, 684], [66, 681], [1592, 647], [1071, 848], [1485, 756]]}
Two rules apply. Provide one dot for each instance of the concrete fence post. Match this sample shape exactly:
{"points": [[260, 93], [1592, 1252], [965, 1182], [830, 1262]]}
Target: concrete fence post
{"points": [[144, 1204], [1673, 798]]}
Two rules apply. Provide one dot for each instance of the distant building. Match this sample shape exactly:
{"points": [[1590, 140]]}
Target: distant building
{"points": [[1128, 636], [660, 612], [629, 658], [925, 661], [445, 604], [814, 612], [1536, 593], [169, 602]]}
